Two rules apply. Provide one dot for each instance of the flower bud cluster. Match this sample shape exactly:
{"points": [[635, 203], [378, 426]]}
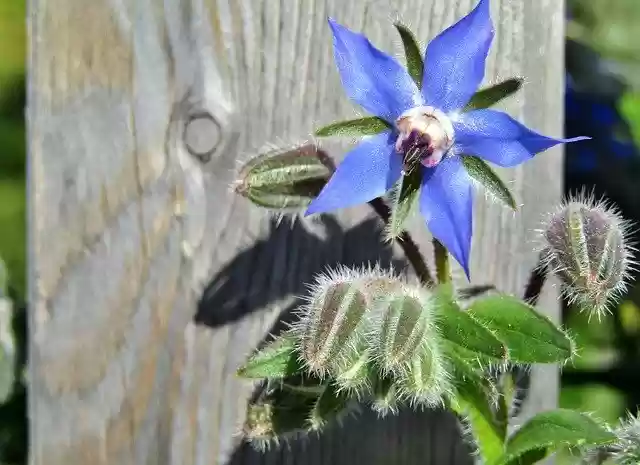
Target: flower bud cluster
{"points": [[375, 335]]}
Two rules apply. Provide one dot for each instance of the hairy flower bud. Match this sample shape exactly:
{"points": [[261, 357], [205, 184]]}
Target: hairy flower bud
{"points": [[626, 450], [586, 245], [406, 324], [331, 325], [284, 178], [335, 321]]}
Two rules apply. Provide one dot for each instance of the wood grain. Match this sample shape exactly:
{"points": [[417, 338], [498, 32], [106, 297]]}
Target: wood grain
{"points": [[132, 236]]}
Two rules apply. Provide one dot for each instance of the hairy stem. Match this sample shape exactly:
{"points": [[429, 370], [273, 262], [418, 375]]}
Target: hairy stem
{"points": [[406, 242], [443, 268]]}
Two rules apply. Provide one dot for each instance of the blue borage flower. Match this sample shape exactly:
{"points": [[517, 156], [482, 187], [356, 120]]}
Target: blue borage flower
{"points": [[427, 126]]}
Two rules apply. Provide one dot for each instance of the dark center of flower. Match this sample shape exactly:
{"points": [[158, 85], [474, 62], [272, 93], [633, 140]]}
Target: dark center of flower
{"points": [[426, 134]]}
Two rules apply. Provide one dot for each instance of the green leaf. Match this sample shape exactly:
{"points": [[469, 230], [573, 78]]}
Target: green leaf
{"points": [[278, 359], [479, 170], [404, 198], [490, 96], [549, 431], [367, 126], [529, 336], [287, 179], [472, 399], [457, 327], [415, 65]]}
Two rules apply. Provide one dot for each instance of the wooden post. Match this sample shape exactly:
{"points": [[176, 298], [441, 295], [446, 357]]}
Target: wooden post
{"points": [[150, 282]]}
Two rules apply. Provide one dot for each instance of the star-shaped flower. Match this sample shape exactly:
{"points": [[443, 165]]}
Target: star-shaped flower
{"points": [[427, 130]]}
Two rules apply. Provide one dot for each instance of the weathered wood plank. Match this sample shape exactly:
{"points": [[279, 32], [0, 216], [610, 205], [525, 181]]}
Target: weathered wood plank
{"points": [[129, 221]]}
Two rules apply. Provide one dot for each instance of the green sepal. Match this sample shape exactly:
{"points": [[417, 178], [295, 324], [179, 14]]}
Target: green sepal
{"points": [[490, 96], [479, 170], [413, 55], [278, 359], [367, 126], [331, 403], [403, 199]]}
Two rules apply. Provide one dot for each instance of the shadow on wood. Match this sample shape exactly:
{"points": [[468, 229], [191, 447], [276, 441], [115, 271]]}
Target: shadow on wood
{"points": [[221, 302], [408, 438]]}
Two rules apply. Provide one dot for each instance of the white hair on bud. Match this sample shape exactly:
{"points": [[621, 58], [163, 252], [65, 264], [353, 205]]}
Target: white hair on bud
{"points": [[596, 297]]}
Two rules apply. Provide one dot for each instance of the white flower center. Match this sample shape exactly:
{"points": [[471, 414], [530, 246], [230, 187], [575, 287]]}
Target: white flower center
{"points": [[426, 134]]}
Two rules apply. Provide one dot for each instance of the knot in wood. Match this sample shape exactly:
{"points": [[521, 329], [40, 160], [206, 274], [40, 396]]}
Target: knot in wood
{"points": [[201, 135]]}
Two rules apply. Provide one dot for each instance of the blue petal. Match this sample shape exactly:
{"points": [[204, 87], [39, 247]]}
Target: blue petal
{"points": [[500, 139], [367, 172], [446, 202], [372, 78], [455, 60]]}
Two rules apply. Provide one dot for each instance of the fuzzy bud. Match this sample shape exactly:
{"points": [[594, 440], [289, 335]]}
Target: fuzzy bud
{"points": [[586, 246], [626, 450], [406, 325], [333, 324], [284, 179]]}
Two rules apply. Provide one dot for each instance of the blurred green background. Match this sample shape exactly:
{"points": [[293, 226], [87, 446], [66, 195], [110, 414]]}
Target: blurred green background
{"points": [[13, 421], [12, 140], [604, 380]]}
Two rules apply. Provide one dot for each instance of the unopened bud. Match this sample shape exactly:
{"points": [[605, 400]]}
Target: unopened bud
{"points": [[284, 179], [406, 324], [332, 325], [624, 450], [586, 245]]}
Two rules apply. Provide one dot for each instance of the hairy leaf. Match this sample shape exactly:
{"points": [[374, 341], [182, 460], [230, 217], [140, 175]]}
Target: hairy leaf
{"points": [[529, 336], [549, 431], [457, 327]]}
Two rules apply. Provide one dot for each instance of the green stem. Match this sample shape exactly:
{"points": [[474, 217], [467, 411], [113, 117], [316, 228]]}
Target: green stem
{"points": [[443, 268]]}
